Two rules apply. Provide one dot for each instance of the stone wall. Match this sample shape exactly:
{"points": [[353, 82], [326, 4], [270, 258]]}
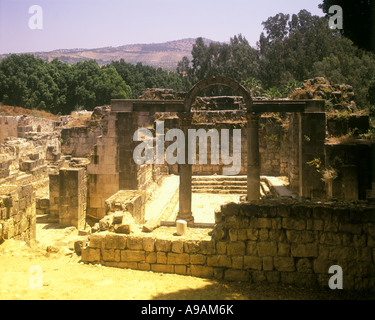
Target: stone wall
{"points": [[276, 242], [17, 213], [68, 196]]}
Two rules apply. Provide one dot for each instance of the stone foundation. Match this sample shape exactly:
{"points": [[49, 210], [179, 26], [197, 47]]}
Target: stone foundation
{"points": [[291, 243]]}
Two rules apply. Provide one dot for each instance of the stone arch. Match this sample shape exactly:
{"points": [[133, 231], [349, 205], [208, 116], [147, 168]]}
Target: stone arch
{"points": [[217, 81]]}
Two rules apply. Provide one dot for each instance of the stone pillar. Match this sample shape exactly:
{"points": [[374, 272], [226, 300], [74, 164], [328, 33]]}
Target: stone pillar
{"points": [[185, 172], [311, 149], [253, 165]]}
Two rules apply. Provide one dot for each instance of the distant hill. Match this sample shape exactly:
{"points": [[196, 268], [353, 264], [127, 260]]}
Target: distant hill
{"points": [[164, 55]]}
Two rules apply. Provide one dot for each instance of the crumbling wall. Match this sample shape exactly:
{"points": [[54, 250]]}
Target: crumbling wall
{"points": [[17, 212], [290, 242]]}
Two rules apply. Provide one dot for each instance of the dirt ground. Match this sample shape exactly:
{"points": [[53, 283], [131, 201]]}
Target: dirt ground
{"points": [[64, 277]]}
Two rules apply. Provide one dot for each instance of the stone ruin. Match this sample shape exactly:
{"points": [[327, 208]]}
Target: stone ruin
{"points": [[288, 229]]}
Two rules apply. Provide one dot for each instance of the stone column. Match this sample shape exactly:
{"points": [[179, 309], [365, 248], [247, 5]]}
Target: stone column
{"points": [[185, 172], [253, 166]]}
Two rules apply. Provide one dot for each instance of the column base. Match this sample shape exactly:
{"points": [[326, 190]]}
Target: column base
{"points": [[188, 217]]}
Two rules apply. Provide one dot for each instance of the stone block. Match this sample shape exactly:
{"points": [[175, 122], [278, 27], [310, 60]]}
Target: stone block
{"points": [[250, 262], [267, 248], [258, 276], [236, 275], [268, 263], [236, 248], [201, 271], [284, 264], [207, 247], [163, 245], [251, 248], [283, 249], [221, 247], [177, 246], [161, 257], [134, 243], [96, 240], [252, 234], [258, 223], [237, 262], [272, 276], [144, 266], [90, 254], [351, 228], [197, 259], [304, 265], [178, 258], [180, 269], [148, 244], [151, 257], [191, 246], [111, 255], [304, 250], [218, 261], [293, 224], [132, 256]]}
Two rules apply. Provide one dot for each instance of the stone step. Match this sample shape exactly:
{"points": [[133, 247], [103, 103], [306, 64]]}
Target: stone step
{"points": [[219, 178], [220, 183], [220, 191]]}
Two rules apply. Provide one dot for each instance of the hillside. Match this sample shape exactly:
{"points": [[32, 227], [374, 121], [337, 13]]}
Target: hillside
{"points": [[165, 55]]}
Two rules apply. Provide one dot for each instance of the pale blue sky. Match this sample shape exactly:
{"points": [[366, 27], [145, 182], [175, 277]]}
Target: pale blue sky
{"points": [[98, 23]]}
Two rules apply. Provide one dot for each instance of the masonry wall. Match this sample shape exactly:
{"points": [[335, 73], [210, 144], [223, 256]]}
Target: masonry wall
{"points": [[17, 213], [276, 242]]}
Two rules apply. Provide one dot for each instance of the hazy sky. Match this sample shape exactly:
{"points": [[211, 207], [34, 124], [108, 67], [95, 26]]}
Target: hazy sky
{"points": [[98, 23]]}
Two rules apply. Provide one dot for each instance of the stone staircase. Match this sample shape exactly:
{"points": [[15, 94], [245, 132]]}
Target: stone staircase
{"points": [[269, 186]]}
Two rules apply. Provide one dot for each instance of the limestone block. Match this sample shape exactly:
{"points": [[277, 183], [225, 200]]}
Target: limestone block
{"points": [[284, 264], [148, 244], [254, 263], [163, 245], [252, 234], [268, 263], [283, 249], [304, 265], [90, 254], [151, 257], [191, 246], [251, 248], [180, 269], [267, 248], [161, 257], [177, 246], [237, 262], [165, 268], [236, 248], [197, 259], [178, 258], [111, 255], [134, 243], [219, 261], [201, 271], [304, 250], [132, 256], [96, 240], [351, 227], [258, 223], [236, 275], [272, 276], [207, 247], [294, 224]]}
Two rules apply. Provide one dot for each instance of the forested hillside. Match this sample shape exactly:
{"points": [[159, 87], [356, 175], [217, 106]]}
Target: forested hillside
{"points": [[291, 49]]}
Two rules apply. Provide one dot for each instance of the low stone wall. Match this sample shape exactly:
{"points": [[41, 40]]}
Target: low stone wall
{"points": [[291, 243], [17, 213]]}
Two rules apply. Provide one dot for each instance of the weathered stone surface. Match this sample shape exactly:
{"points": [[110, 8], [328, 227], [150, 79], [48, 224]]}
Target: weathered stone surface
{"points": [[165, 268], [201, 271], [111, 255], [236, 248], [162, 245], [134, 243], [236, 275], [304, 250], [132, 256], [284, 264], [178, 258], [90, 254], [148, 244], [161, 257], [250, 262], [267, 248], [197, 259], [177, 247], [219, 261]]}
